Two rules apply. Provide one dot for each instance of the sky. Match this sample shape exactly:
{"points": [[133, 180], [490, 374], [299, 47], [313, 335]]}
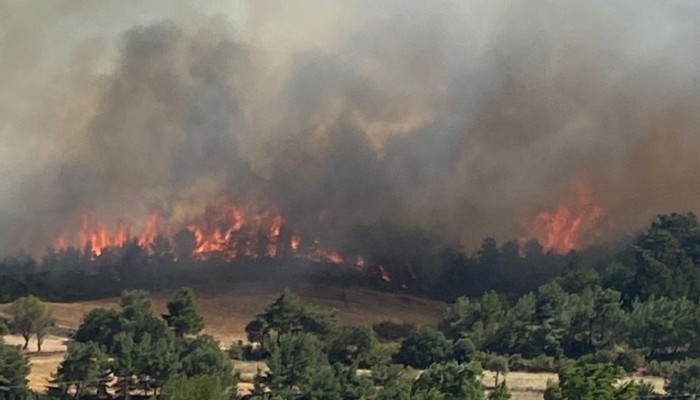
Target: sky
{"points": [[470, 118]]}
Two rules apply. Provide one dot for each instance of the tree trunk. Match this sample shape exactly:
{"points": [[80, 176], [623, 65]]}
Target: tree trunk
{"points": [[26, 341]]}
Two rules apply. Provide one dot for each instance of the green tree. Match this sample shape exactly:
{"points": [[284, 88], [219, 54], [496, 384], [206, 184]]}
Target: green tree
{"points": [[352, 384], [463, 351], [294, 361], [29, 317], [476, 320], [661, 262], [287, 315], [321, 384], [155, 360], [124, 364], [497, 364], [99, 325], [41, 328], [14, 368], [597, 321], [144, 353], [203, 356], [200, 387], [450, 381], [591, 382], [182, 313], [662, 324], [135, 305], [424, 347], [85, 366], [398, 388], [352, 345], [685, 380]]}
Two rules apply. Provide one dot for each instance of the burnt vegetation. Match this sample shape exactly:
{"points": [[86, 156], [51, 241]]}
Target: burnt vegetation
{"points": [[394, 257]]}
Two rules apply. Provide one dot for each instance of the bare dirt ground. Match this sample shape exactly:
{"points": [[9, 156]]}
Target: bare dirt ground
{"points": [[228, 307]]}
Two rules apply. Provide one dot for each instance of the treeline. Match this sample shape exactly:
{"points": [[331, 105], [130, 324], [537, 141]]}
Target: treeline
{"points": [[132, 353], [396, 258], [126, 353], [589, 339], [663, 260]]}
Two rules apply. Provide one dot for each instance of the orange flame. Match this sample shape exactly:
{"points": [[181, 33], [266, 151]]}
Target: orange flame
{"points": [[332, 257], [295, 242], [223, 231], [570, 225], [95, 236], [215, 230], [150, 232]]}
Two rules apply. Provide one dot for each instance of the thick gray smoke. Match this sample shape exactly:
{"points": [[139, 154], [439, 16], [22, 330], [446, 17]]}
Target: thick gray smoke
{"points": [[464, 117]]}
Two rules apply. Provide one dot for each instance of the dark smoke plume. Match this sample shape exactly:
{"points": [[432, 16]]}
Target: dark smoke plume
{"points": [[467, 118]]}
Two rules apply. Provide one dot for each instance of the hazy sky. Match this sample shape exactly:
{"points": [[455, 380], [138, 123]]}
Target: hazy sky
{"points": [[469, 117]]}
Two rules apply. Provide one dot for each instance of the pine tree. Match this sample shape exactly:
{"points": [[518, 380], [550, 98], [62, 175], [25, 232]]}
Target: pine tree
{"points": [[182, 313], [85, 366], [14, 368]]}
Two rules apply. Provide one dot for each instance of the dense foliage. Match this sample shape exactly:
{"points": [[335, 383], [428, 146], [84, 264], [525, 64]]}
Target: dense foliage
{"points": [[634, 310], [132, 350]]}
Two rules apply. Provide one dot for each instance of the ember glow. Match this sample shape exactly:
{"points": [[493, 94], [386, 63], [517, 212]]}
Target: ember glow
{"points": [[570, 225], [225, 231], [384, 274]]}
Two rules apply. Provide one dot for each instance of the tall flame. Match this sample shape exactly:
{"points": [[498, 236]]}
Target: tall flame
{"points": [[223, 230], [569, 226]]}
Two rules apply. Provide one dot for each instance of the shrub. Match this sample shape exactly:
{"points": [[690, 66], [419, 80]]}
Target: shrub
{"points": [[538, 364], [352, 344], [247, 352], [201, 387], [630, 360], [450, 381], [424, 347], [685, 379], [463, 351], [663, 369], [392, 331], [599, 357]]}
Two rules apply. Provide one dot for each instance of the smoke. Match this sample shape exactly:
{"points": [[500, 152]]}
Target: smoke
{"points": [[468, 118]]}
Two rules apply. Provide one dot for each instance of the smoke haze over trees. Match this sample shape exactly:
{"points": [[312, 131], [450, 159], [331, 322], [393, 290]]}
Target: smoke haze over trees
{"points": [[464, 118]]}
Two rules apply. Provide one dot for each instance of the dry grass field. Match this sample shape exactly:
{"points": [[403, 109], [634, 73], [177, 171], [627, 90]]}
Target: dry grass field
{"points": [[227, 308]]}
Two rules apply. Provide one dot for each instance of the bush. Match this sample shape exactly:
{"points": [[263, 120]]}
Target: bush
{"points": [[391, 331], [424, 347], [538, 364], [382, 354], [247, 352], [630, 360], [463, 351], [352, 344], [201, 387], [236, 350], [450, 381], [599, 357], [663, 369], [685, 379]]}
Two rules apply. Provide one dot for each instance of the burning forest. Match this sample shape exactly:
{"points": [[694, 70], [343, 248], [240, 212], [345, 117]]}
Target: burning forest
{"points": [[232, 135], [224, 232]]}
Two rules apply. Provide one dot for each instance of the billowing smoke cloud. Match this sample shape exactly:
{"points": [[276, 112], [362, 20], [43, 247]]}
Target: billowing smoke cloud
{"points": [[464, 117]]}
